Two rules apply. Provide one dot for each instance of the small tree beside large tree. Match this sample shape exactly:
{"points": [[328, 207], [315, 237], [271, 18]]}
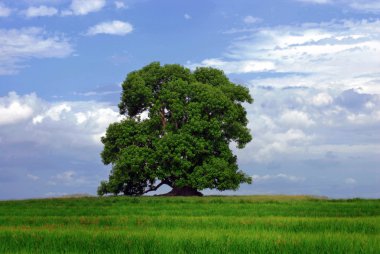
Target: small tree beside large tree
{"points": [[183, 140]]}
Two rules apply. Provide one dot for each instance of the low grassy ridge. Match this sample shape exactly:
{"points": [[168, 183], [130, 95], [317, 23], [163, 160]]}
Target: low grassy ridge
{"points": [[243, 224]]}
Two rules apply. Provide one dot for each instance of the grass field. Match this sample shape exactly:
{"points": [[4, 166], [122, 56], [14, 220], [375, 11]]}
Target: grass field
{"points": [[244, 224]]}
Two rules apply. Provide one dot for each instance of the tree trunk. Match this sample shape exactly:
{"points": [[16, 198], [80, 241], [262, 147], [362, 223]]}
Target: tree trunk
{"points": [[183, 191]]}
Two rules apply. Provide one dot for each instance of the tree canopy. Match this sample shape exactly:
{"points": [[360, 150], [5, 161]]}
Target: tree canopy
{"points": [[177, 129]]}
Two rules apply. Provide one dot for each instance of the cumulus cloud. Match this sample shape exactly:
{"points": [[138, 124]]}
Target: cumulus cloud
{"points": [[42, 122], [305, 123], [14, 113], [60, 141], [364, 118], [356, 101], [54, 113], [15, 109], [4, 11], [84, 7], [322, 99], [279, 142], [296, 118], [40, 11], [114, 27], [19, 45], [56, 143]]}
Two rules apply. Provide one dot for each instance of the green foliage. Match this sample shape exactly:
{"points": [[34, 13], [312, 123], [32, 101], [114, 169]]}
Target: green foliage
{"points": [[193, 117], [245, 224]]}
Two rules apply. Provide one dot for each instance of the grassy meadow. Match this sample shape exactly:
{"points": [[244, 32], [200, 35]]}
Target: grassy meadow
{"points": [[242, 224]]}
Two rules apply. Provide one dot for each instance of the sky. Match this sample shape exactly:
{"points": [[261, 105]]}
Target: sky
{"points": [[312, 67]]}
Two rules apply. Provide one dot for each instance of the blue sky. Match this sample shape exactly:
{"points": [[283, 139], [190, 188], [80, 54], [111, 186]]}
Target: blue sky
{"points": [[312, 66]]}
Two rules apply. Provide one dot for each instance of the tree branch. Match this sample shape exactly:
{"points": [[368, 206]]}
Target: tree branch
{"points": [[158, 186], [163, 119]]}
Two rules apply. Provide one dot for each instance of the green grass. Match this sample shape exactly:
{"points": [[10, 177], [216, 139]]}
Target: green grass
{"points": [[244, 224]]}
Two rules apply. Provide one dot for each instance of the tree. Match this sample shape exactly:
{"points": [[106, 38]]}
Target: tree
{"points": [[192, 117]]}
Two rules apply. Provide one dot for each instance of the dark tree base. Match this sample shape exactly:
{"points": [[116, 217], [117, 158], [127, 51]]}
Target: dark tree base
{"points": [[184, 191]]}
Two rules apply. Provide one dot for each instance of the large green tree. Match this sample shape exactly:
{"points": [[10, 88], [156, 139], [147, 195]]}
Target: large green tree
{"points": [[191, 118]]}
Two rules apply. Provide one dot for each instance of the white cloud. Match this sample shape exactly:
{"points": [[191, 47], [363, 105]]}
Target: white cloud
{"points": [[293, 135], [120, 5], [84, 7], [13, 113], [4, 11], [19, 45], [285, 127], [364, 118], [251, 20], [73, 134], [366, 5], [281, 176], [15, 109], [360, 5], [304, 123], [322, 55], [81, 118], [229, 67], [296, 118], [40, 11], [54, 113], [187, 16], [272, 143], [319, 48], [40, 122], [114, 27], [322, 99]]}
